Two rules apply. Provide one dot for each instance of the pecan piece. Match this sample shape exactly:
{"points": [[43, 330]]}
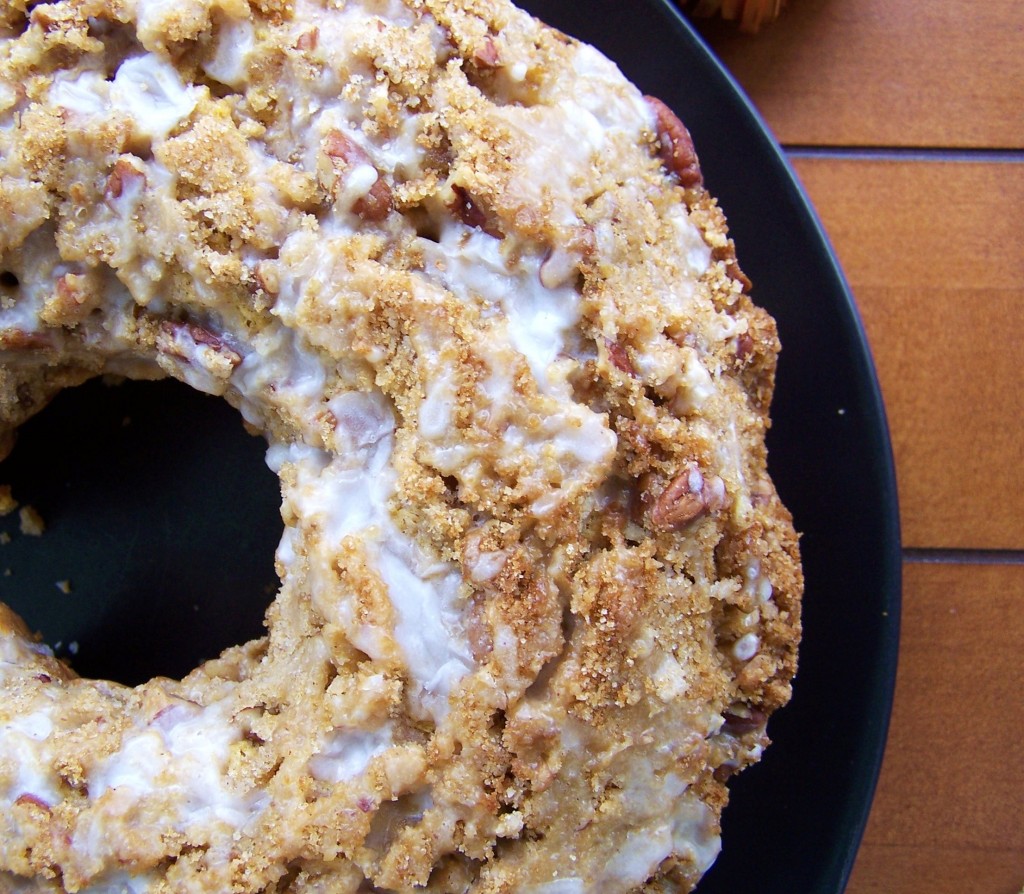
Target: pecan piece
{"points": [[619, 357], [486, 55], [724, 772], [739, 724], [308, 40], [689, 497], [123, 176], [466, 209], [346, 156], [29, 800], [15, 339], [267, 277], [744, 346], [727, 253], [481, 639], [675, 145], [186, 342]]}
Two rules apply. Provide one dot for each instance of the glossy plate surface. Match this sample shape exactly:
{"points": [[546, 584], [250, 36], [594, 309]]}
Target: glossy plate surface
{"points": [[162, 516]]}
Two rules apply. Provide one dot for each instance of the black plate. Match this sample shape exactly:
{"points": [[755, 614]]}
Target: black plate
{"points": [[796, 819], [163, 516]]}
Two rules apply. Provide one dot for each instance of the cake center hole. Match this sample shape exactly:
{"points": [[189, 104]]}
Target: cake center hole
{"points": [[160, 523]]}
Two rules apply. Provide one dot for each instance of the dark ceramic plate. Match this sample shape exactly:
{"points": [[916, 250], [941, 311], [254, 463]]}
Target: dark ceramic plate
{"points": [[163, 518]]}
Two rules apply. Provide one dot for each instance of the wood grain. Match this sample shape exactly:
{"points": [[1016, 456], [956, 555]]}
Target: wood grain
{"points": [[948, 815], [885, 73], [934, 253]]}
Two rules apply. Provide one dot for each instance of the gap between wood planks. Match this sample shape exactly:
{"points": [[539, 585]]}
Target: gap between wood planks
{"points": [[906, 153], [942, 556]]}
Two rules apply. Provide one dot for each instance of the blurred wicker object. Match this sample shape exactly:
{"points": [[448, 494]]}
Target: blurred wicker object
{"points": [[751, 14]]}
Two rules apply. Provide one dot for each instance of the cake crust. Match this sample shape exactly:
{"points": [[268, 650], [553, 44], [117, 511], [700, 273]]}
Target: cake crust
{"points": [[538, 594]]}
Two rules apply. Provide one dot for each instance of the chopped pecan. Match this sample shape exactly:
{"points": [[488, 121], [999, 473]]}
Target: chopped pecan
{"points": [[467, 210], [675, 145], [184, 340], [30, 800], [69, 289], [308, 40], [559, 267], [744, 346], [203, 336], [347, 155], [15, 339], [724, 772], [174, 712], [732, 267], [337, 145], [44, 18], [583, 241], [689, 496], [727, 253], [123, 176], [486, 55], [761, 492], [619, 357], [739, 724], [478, 631], [267, 277], [376, 204]]}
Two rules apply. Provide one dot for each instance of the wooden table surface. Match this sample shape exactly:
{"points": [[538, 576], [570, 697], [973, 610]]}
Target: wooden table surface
{"points": [[905, 121]]}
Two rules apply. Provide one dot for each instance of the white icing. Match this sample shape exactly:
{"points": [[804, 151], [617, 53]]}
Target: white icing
{"points": [[21, 747], [486, 566], [36, 726], [279, 364], [150, 91], [363, 419], [695, 384], [426, 599], [358, 182], [403, 154], [122, 883], [471, 264], [146, 89], [187, 751], [669, 679], [437, 409], [558, 886], [316, 108], [604, 92], [529, 319], [687, 830], [347, 753], [347, 496], [85, 94], [230, 62], [695, 833], [746, 647], [691, 245], [756, 583]]}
